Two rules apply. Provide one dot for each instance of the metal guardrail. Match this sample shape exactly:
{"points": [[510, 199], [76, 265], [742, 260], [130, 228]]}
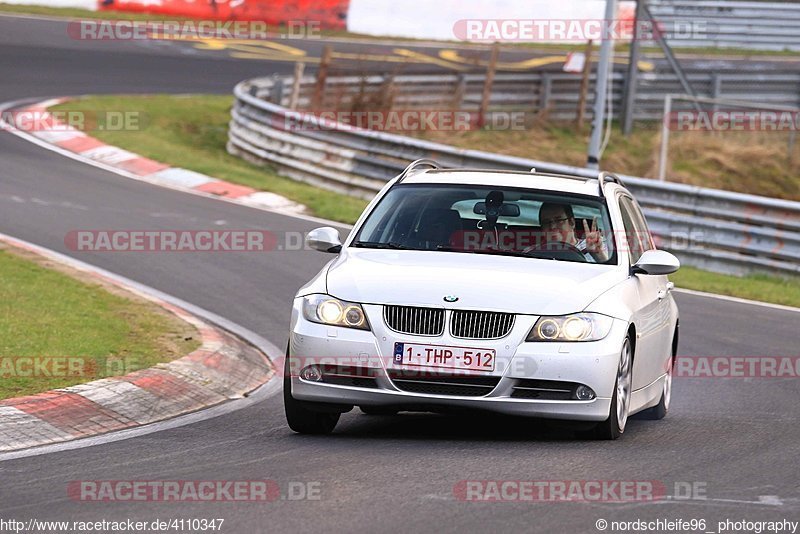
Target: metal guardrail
{"points": [[555, 93], [732, 24], [717, 230]]}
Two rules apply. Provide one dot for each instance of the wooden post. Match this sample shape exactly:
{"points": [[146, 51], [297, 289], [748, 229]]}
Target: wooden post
{"points": [[322, 77], [584, 92], [487, 86], [294, 98]]}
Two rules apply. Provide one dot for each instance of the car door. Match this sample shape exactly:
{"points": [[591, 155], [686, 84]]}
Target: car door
{"points": [[666, 307], [651, 315]]}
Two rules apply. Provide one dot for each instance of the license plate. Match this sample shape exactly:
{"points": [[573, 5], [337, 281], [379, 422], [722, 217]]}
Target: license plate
{"points": [[421, 355]]}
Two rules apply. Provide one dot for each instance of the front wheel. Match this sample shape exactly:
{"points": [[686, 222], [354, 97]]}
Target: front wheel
{"points": [[300, 415], [659, 411], [614, 426]]}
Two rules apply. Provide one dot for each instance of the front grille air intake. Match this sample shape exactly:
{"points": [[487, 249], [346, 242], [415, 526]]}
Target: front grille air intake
{"points": [[543, 390], [480, 324], [432, 383], [413, 320]]}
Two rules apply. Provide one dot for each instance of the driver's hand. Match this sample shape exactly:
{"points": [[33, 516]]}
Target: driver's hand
{"points": [[595, 243]]}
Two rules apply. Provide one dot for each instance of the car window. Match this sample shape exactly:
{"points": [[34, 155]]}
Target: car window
{"points": [[641, 225], [488, 220], [637, 237]]}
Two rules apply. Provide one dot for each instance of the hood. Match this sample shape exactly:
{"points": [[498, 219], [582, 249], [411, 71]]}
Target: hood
{"points": [[481, 282]]}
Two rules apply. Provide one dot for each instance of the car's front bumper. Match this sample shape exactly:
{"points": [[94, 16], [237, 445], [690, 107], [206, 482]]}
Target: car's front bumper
{"points": [[593, 364]]}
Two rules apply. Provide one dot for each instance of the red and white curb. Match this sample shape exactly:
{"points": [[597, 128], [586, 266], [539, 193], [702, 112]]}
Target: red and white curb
{"points": [[49, 130], [222, 368]]}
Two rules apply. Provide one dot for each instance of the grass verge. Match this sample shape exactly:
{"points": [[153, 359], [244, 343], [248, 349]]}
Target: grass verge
{"points": [[191, 132], [87, 330], [754, 287]]}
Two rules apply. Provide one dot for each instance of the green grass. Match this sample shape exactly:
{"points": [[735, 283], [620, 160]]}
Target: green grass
{"points": [[191, 132], [46, 313], [754, 287]]}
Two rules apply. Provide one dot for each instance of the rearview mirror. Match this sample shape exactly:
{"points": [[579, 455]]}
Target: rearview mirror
{"points": [[325, 239], [506, 210], [656, 262]]}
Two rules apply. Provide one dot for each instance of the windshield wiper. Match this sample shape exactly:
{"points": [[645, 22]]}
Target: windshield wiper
{"points": [[379, 244], [491, 252]]}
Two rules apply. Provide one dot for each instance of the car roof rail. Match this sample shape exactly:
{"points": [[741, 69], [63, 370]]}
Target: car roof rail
{"points": [[416, 165], [604, 177]]}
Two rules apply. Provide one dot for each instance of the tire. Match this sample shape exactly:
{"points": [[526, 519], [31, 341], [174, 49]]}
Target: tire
{"points": [[378, 410], [300, 415], [613, 427], [660, 410]]}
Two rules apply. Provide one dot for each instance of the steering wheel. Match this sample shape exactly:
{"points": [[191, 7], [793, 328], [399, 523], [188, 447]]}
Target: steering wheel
{"points": [[559, 250]]}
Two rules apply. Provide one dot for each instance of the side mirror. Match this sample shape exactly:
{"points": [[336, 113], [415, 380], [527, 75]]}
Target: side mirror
{"points": [[325, 239], [656, 262]]}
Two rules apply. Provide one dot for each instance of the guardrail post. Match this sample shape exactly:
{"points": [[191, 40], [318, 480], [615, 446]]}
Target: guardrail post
{"points": [[299, 69], [322, 77], [716, 88], [487, 86], [276, 93], [458, 94], [545, 92]]}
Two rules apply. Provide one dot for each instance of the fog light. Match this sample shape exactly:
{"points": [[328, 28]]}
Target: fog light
{"points": [[584, 393], [311, 373]]}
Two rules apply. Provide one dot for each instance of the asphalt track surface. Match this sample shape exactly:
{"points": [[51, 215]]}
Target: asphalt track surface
{"points": [[738, 439]]}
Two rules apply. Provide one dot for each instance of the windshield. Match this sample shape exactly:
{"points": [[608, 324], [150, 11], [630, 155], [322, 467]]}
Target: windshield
{"points": [[490, 220]]}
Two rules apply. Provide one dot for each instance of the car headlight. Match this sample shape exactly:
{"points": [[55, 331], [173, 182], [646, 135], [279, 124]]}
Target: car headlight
{"points": [[325, 309], [576, 327]]}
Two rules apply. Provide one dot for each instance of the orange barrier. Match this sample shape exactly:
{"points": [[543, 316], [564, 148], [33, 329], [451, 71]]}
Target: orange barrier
{"points": [[328, 13]]}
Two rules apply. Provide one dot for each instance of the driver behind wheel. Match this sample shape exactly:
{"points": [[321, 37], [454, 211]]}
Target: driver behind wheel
{"points": [[558, 224]]}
